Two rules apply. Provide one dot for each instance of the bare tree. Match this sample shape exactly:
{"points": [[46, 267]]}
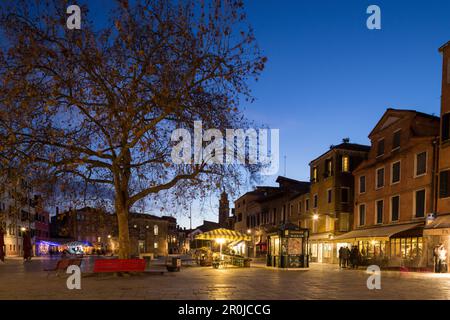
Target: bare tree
{"points": [[98, 105]]}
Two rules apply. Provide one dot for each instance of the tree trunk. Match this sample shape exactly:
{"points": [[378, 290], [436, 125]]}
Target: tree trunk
{"points": [[124, 233], [122, 212]]}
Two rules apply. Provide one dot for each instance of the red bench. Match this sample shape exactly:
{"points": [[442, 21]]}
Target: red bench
{"points": [[119, 265]]}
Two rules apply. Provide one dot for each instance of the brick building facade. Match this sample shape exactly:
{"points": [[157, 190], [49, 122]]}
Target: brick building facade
{"points": [[395, 189], [327, 209]]}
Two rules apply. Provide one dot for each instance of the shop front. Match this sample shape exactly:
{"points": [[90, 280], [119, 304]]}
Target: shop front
{"points": [[437, 238], [322, 248], [388, 246]]}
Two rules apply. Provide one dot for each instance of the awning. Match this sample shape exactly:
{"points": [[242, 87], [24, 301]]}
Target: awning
{"points": [[378, 233], [235, 243], [229, 235], [78, 244], [321, 236]]}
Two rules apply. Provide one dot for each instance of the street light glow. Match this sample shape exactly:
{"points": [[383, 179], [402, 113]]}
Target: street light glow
{"points": [[316, 217]]}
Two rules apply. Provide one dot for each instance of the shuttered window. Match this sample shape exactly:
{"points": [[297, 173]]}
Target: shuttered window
{"points": [[444, 179]]}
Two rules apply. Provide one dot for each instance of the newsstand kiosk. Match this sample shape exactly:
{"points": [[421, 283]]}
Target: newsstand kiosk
{"points": [[288, 247]]}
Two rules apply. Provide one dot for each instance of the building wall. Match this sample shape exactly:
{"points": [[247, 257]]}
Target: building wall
{"points": [[443, 205], [245, 206], [101, 229], [406, 188], [333, 216], [17, 212]]}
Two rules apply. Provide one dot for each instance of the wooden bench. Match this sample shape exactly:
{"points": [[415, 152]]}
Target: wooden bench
{"points": [[119, 265], [63, 264]]}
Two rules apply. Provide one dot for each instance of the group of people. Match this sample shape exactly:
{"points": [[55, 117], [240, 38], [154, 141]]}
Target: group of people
{"points": [[349, 258]]}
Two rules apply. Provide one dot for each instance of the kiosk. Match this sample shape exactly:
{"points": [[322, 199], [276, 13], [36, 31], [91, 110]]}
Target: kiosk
{"points": [[288, 247]]}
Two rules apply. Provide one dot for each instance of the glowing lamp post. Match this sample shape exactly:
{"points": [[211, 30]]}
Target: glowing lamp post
{"points": [[220, 241]]}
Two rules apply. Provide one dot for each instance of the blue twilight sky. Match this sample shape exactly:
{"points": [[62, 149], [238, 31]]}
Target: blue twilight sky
{"points": [[329, 77]]}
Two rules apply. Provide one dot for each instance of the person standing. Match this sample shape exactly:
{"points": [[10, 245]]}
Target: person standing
{"points": [[27, 247], [347, 257], [341, 257], [354, 257], [442, 256], [2, 246], [436, 258]]}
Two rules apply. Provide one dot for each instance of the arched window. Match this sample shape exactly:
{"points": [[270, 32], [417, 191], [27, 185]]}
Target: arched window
{"points": [[155, 229]]}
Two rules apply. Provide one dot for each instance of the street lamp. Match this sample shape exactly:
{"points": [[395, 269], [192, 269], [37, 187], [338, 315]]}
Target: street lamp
{"points": [[315, 216], [220, 241]]}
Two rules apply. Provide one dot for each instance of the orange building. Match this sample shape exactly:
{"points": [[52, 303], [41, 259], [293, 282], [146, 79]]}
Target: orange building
{"points": [[437, 231], [395, 190], [443, 203]]}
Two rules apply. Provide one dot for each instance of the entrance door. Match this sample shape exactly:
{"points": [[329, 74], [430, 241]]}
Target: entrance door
{"points": [[319, 252]]}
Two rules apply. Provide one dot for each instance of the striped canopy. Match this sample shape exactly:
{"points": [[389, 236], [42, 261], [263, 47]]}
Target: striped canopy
{"points": [[78, 244], [229, 235]]}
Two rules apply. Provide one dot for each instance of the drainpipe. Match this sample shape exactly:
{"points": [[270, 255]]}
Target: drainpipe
{"points": [[435, 172]]}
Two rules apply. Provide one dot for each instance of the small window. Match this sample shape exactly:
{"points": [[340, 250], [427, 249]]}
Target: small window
{"points": [[307, 204], [445, 127], [345, 164], [155, 245], [299, 207], [329, 195], [380, 178], [345, 195], [380, 210], [362, 184], [328, 167], [362, 214], [314, 179], [395, 208], [155, 230], [380, 148], [448, 71], [316, 200], [420, 203], [396, 140], [395, 174], [421, 164], [444, 180]]}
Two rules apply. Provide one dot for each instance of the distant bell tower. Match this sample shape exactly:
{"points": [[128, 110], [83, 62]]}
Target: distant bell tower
{"points": [[224, 210]]}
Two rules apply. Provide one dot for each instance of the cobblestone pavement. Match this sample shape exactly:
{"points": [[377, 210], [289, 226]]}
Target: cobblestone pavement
{"points": [[20, 280]]}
